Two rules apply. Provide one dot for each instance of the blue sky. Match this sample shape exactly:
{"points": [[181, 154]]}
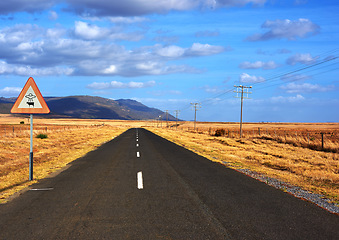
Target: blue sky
{"points": [[168, 54]]}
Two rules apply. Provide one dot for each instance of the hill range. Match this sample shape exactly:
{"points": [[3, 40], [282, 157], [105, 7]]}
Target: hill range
{"points": [[89, 107]]}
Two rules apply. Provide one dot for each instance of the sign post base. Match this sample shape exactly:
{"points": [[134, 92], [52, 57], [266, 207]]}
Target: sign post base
{"points": [[30, 166]]}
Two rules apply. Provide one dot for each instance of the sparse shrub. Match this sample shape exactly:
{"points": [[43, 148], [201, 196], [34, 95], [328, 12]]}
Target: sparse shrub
{"points": [[219, 132], [22, 122], [42, 136]]}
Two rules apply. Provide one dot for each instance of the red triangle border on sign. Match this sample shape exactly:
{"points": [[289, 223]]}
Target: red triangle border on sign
{"points": [[30, 83]]}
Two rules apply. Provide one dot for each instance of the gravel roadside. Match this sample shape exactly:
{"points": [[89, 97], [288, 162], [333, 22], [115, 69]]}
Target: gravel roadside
{"points": [[298, 192]]}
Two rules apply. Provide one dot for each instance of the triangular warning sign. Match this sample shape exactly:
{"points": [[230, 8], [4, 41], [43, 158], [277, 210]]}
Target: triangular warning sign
{"points": [[30, 100]]}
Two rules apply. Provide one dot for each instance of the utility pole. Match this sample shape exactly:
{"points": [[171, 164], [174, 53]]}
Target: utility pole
{"points": [[166, 118], [240, 89], [196, 106], [176, 117]]}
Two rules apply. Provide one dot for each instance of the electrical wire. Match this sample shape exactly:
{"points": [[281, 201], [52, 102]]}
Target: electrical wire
{"points": [[330, 56], [277, 77]]}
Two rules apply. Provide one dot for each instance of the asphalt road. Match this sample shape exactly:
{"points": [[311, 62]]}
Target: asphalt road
{"points": [[141, 186]]}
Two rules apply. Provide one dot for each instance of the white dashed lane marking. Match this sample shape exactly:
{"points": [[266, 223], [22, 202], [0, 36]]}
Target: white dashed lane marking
{"points": [[140, 180], [140, 183]]}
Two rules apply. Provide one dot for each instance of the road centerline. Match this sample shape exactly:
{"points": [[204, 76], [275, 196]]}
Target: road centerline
{"points": [[140, 183]]}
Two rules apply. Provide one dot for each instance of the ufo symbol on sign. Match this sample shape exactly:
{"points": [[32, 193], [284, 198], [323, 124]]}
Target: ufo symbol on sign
{"points": [[30, 96]]}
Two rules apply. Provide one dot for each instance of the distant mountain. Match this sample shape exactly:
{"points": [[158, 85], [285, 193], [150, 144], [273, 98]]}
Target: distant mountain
{"points": [[6, 105], [89, 107]]}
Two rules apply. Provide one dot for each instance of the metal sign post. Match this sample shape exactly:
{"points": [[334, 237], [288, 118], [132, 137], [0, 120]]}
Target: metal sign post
{"points": [[31, 152], [30, 101]]}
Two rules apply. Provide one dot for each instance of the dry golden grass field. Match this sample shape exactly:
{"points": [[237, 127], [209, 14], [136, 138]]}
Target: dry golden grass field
{"points": [[308, 135], [289, 152]]}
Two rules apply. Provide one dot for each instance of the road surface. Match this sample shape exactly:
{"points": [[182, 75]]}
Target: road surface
{"points": [[141, 186]]}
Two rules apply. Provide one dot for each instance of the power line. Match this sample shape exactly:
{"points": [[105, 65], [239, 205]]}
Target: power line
{"points": [[196, 107], [242, 100], [176, 117], [280, 75], [329, 56], [295, 80], [166, 111]]}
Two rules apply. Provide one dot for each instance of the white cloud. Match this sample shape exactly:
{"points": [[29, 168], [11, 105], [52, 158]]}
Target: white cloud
{"points": [[137, 84], [305, 58], [55, 33], [130, 67], [292, 99], [128, 20], [171, 51], [288, 29], [158, 68], [43, 51], [110, 70], [20, 33], [199, 49], [101, 85], [258, 64], [10, 91], [305, 88], [148, 66], [246, 78], [87, 31], [52, 15], [29, 71], [120, 85]]}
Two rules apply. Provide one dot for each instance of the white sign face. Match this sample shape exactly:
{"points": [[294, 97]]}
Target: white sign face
{"points": [[30, 100]]}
